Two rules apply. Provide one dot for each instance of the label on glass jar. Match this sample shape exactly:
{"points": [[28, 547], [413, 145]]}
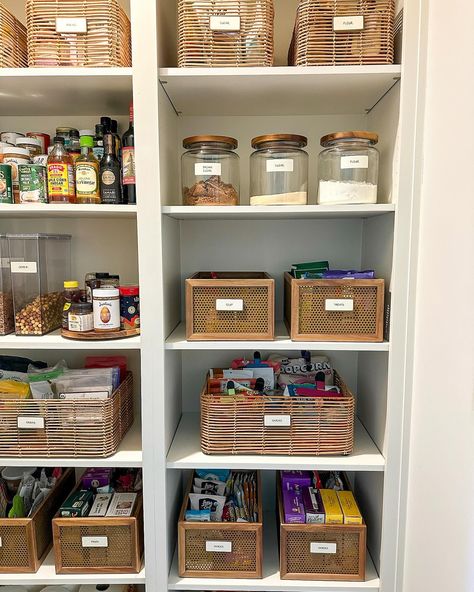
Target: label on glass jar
{"points": [[106, 314], [71, 25], [128, 165], [86, 179], [348, 23], [224, 23], [80, 323], [284, 165], [60, 180], [207, 168], [355, 162], [23, 267]]}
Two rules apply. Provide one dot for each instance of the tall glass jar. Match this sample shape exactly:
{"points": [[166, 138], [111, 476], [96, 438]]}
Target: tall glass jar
{"points": [[348, 168], [210, 173], [279, 170]]}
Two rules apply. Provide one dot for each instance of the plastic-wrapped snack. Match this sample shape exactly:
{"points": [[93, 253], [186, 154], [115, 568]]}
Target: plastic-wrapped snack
{"points": [[214, 503], [302, 369], [206, 486], [213, 474]]}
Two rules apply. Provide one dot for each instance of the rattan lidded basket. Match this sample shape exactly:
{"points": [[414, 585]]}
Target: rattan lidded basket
{"points": [[13, 52]]}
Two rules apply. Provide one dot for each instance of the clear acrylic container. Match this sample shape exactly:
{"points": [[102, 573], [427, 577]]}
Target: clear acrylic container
{"points": [[279, 171], [7, 319], [210, 172], [39, 265], [348, 168]]}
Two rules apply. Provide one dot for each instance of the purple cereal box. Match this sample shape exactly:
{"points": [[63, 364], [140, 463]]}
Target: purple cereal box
{"points": [[293, 509], [291, 478], [313, 506]]}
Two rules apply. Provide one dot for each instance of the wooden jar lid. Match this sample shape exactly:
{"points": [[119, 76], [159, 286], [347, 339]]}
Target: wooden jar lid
{"points": [[358, 135], [189, 142], [259, 140]]}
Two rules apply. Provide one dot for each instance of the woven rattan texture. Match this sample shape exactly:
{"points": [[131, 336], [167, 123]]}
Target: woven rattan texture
{"points": [[13, 53], [107, 41], [315, 43], [233, 425], [198, 45], [72, 428], [242, 558]]}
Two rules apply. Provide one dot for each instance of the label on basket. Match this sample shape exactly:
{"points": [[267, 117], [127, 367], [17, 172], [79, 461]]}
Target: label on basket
{"points": [[23, 267], [323, 547], [30, 423], [71, 25], [348, 23], [277, 420], [284, 165], [219, 546], [1, 544], [229, 304], [224, 23], [97, 541], [207, 168], [346, 304], [355, 162]]}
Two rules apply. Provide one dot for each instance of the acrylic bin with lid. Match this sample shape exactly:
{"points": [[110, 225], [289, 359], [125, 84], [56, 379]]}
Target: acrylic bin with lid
{"points": [[7, 323]]}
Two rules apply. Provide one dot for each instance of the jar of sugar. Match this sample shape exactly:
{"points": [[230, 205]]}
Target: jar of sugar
{"points": [[348, 168]]}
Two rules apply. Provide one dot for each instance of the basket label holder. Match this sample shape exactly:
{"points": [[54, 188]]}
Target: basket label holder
{"points": [[30, 423], [89, 542], [224, 23], [323, 547], [71, 25], [230, 304], [348, 23], [344, 304], [277, 421], [218, 546]]}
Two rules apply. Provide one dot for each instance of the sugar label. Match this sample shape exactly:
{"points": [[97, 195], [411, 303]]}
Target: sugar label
{"points": [[355, 162], [348, 23]]}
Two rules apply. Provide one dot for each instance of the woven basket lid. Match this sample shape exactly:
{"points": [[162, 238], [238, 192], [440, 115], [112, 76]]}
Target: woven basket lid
{"points": [[294, 138], [357, 135], [189, 142]]}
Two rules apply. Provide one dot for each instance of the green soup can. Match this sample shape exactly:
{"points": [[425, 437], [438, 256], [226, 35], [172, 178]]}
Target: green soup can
{"points": [[6, 187], [32, 179]]}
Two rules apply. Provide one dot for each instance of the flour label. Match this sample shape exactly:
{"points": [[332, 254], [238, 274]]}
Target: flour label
{"points": [[355, 162], [348, 23], [284, 165]]}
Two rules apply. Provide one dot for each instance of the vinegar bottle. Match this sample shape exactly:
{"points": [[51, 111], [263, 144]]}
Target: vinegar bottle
{"points": [[60, 174]]}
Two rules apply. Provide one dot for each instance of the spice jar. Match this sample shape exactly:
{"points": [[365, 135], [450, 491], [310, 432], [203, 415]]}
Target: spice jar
{"points": [[33, 146], [348, 168], [80, 317], [210, 171], [106, 305], [279, 170], [129, 307], [72, 293]]}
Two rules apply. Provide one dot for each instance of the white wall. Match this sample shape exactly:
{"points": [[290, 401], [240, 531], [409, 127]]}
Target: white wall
{"points": [[439, 551]]}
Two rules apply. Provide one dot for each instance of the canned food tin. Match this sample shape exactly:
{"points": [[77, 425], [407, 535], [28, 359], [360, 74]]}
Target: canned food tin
{"points": [[11, 137], [33, 183], [45, 140], [6, 187], [129, 307]]}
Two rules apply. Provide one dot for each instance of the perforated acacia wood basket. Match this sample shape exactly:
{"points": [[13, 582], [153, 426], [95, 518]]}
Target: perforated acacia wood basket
{"points": [[26, 541], [245, 37], [66, 428], [96, 33], [13, 52], [99, 545], [343, 32], [278, 425], [236, 305], [319, 310], [243, 541]]}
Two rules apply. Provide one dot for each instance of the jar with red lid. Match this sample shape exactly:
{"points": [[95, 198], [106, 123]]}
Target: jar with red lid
{"points": [[129, 307]]}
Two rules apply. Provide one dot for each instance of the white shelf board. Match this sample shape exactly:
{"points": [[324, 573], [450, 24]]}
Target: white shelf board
{"points": [[271, 575], [65, 91], [275, 212], [54, 340], [67, 211], [129, 454], [287, 90], [185, 453], [282, 342], [46, 575]]}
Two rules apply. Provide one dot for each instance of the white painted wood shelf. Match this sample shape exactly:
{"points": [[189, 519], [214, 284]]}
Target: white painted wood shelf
{"points": [[54, 340], [185, 453], [177, 341], [67, 211], [282, 90]]}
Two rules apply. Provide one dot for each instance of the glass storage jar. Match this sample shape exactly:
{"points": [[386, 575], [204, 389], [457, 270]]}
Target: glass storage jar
{"points": [[279, 171], [210, 171], [348, 168]]}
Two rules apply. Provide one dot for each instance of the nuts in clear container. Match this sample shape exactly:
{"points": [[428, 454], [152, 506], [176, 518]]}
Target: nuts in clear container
{"points": [[41, 315]]}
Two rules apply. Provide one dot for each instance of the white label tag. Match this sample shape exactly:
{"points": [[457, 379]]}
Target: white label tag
{"points": [[99, 541], [71, 25], [284, 165], [339, 304], [30, 423], [219, 546], [348, 23], [1, 544], [355, 162], [330, 548], [24, 267], [277, 420], [229, 304], [224, 23], [207, 168]]}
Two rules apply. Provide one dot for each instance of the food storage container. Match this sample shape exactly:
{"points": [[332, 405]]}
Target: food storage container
{"points": [[279, 170], [210, 171], [13, 52], [348, 168], [7, 318], [39, 265], [33, 145]]}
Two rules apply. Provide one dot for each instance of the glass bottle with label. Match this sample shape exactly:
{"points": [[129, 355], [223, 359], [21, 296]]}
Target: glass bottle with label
{"points": [[110, 188], [210, 171], [128, 164], [279, 171], [99, 142], [348, 168], [87, 173], [60, 174]]}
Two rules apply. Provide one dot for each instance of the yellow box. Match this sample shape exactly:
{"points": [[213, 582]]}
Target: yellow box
{"points": [[331, 506], [349, 507]]}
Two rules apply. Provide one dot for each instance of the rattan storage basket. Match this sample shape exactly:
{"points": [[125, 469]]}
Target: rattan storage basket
{"points": [[243, 541], [26, 541], [66, 428], [277, 424], [79, 33], [334, 310], [230, 305], [13, 52], [213, 33], [343, 32]]}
